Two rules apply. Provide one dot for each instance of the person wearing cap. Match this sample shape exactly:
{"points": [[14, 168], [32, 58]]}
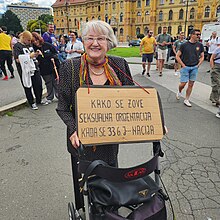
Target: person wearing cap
{"points": [[215, 75], [148, 43], [6, 53]]}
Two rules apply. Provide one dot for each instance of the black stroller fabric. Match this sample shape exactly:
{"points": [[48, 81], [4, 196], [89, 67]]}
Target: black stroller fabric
{"points": [[107, 193]]}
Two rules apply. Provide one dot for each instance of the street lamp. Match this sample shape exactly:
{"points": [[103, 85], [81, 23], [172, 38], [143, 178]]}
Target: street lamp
{"points": [[187, 6], [67, 16]]}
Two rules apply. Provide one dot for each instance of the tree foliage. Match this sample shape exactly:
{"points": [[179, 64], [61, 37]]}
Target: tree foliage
{"points": [[37, 26], [11, 21], [46, 18]]}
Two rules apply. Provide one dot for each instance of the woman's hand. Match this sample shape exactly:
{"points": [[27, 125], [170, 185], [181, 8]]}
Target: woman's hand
{"points": [[74, 140]]}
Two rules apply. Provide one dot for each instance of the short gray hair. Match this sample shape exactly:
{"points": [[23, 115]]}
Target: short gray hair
{"points": [[102, 28]]}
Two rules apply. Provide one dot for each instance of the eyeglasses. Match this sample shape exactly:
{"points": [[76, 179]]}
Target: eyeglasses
{"points": [[100, 39], [198, 34]]}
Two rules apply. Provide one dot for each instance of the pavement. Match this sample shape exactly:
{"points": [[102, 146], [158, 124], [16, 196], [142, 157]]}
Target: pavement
{"points": [[36, 180]]}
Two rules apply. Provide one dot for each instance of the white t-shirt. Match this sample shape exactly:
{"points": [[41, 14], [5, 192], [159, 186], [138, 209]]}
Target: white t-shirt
{"points": [[76, 46], [212, 45]]}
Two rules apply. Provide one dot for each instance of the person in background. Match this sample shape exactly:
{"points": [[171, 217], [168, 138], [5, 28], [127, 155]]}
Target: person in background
{"points": [[47, 55], [212, 45], [190, 56], [25, 55], [215, 75], [49, 36], [163, 40], [176, 47], [149, 44], [94, 67], [74, 47], [62, 47], [6, 53]]}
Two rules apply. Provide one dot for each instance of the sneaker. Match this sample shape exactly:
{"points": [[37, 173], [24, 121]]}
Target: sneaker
{"points": [[49, 101], [34, 106], [218, 115], [161, 74], [143, 72], [187, 103], [176, 73], [12, 76], [178, 95], [44, 102], [5, 78], [148, 74]]}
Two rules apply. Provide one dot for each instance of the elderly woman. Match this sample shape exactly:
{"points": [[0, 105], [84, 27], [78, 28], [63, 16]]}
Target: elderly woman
{"points": [[93, 68], [25, 58], [48, 64]]}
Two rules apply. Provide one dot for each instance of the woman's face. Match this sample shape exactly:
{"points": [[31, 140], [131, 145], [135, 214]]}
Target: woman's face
{"points": [[26, 40], [36, 42], [96, 46]]}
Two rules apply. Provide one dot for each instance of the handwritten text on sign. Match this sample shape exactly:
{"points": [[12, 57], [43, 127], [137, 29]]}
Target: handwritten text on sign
{"points": [[117, 115]]}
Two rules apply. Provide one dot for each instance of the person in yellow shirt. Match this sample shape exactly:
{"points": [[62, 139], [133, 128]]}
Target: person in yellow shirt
{"points": [[6, 52], [147, 48]]}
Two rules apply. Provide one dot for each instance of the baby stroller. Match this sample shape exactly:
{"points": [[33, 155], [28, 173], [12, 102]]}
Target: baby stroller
{"points": [[108, 190]]}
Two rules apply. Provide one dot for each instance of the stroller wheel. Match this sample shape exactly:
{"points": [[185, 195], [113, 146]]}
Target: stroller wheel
{"points": [[71, 211]]}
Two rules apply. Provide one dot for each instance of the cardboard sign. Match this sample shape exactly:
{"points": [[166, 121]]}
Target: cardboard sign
{"points": [[118, 115]]}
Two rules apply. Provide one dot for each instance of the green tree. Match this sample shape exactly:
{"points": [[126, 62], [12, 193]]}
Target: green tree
{"points": [[46, 18], [36, 25], [11, 21]]}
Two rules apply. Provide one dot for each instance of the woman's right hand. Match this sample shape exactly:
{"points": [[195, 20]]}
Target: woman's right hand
{"points": [[74, 140]]}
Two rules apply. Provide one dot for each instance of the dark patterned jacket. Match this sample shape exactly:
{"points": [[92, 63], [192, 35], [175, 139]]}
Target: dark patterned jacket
{"points": [[66, 94]]}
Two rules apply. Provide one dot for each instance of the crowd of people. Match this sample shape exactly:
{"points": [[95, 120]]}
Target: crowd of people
{"points": [[189, 55], [48, 51]]}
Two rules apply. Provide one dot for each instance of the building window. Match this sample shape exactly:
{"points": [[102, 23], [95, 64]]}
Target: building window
{"points": [[106, 6], [106, 18], [159, 30], [139, 17], [75, 22], [121, 17], [169, 29], [181, 14], [171, 1], [87, 19], [138, 31], [160, 16], [99, 17], [147, 2], [192, 13], [99, 8], [121, 4], [113, 6], [218, 11], [139, 3], [179, 29], [207, 11], [121, 31], [147, 13], [145, 30], [161, 2], [170, 15]]}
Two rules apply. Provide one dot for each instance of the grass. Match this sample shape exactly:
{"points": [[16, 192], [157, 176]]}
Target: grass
{"points": [[125, 52]]}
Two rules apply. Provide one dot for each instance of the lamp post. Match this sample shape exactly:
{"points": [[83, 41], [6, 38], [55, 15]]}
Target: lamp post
{"points": [[187, 6], [67, 16]]}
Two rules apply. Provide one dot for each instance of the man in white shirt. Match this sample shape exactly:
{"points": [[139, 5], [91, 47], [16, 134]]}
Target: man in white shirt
{"points": [[74, 47], [212, 45]]}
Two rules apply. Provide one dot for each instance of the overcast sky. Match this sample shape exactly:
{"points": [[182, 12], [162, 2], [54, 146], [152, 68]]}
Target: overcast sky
{"points": [[4, 3]]}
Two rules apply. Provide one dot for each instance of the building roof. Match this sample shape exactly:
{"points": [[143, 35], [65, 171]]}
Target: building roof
{"points": [[63, 2]]}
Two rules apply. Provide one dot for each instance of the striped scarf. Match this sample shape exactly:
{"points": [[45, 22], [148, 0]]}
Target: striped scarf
{"points": [[110, 73]]}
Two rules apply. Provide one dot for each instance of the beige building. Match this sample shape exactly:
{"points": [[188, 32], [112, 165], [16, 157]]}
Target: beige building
{"points": [[132, 17], [28, 11]]}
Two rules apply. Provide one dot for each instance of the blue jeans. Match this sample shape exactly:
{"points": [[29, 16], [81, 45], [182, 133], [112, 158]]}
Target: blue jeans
{"points": [[188, 73]]}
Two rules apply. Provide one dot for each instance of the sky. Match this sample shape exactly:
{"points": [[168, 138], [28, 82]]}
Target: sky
{"points": [[4, 3]]}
